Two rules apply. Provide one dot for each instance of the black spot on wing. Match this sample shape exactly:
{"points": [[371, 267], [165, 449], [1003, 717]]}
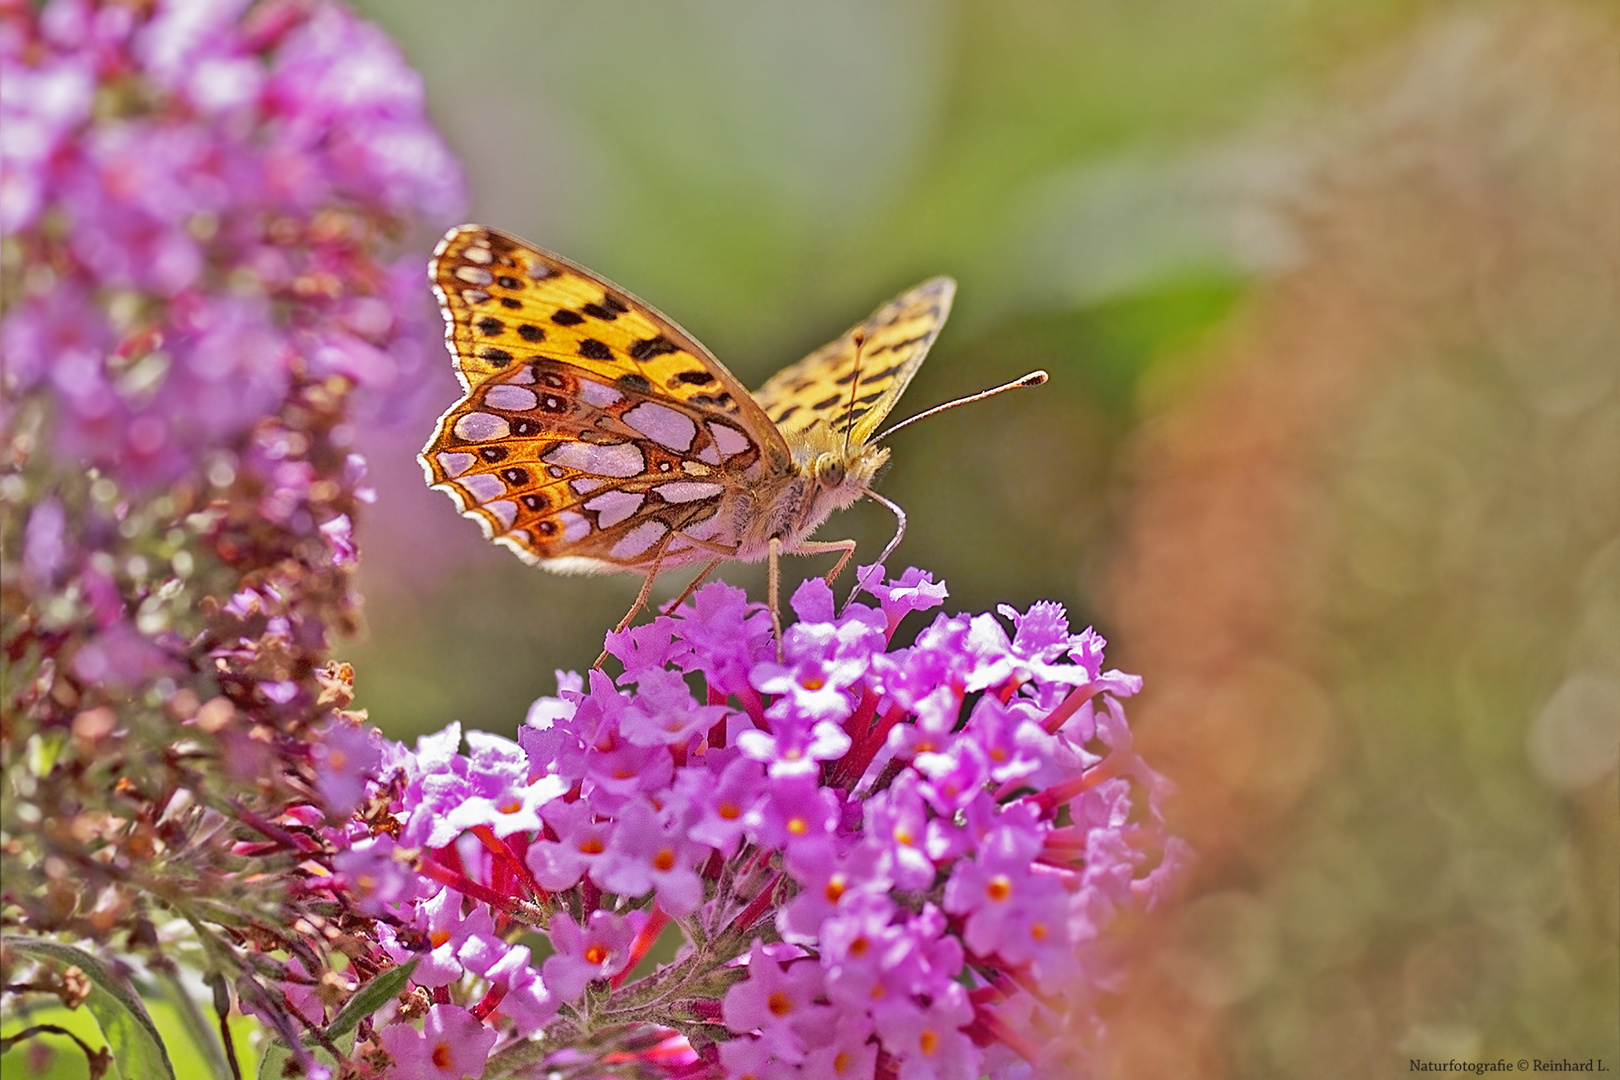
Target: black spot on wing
{"points": [[490, 326], [906, 344], [564, 317], [530, 332], [592, 349], [492, 454], [597, 311], [827, 402], [647, 348], [496, 357], [508, 302], [634, 383], [694, 378]]}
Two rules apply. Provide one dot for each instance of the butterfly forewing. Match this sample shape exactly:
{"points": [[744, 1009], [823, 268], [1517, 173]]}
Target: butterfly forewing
{"points": [[851, 384], [595, 432], [505, 300]]}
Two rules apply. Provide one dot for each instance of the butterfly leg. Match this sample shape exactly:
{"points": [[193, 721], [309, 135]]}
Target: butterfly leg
{"points": [[810, 547], [641, 600], [824, 547], [773, 577], [692, 587]]}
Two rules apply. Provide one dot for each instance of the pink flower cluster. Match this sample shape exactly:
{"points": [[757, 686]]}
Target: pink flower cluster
{"points": [[192, 194], [880, 863], [202, 202]]}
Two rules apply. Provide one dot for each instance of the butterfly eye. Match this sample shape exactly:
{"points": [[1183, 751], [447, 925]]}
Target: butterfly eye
{"points": [[829, 471]]}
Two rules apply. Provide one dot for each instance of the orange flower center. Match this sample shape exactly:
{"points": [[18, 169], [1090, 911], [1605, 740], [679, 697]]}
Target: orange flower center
{"points": [[730, 811], [596, 954], [999, 888], [592, 846], [441, 1055], [928, 1042], [664, 860], [779, 1004]]}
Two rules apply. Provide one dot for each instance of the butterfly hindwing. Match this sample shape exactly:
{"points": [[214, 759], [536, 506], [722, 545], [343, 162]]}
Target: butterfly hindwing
{"points": [[852, 383], [555, 463]]}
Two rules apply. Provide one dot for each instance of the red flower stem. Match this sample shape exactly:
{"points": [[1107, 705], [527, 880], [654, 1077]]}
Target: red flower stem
{"points": [[451, 857], [482, 1010], [861, 755], [1003, 1033], [288, 840], [757, 905], [509, 859], [645, 937], [460, 882], [859, 728], [987, 995], [753, 706], [1065, 844], [1009, 688], [860, 721], [1068, 707], [1060, 794], [1023, 978], [717, 733]]}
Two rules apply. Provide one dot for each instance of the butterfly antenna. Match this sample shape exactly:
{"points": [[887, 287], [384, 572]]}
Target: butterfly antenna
{"points": [[1034, 378], [859, 337]]}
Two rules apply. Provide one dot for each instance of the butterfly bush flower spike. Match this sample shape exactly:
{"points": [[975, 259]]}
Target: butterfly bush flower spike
{"points": [[209, 291], [864, 861]]}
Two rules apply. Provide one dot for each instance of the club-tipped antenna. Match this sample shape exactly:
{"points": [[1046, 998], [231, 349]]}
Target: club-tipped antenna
{"points": [[859, 337], [1034, 378]]}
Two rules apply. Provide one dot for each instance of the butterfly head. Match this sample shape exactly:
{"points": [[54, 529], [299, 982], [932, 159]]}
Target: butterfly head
{"points": [[840, 479]]}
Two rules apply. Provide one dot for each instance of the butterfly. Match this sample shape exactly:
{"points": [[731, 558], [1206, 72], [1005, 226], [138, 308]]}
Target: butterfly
{"points": [[596, 435]]}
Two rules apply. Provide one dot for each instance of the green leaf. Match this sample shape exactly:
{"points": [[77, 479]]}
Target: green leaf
{"points": [[371, 997], [340, 1032], [137, 1049]]}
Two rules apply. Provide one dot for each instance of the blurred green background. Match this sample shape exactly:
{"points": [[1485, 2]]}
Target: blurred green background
{"points": [[1330, 295]]}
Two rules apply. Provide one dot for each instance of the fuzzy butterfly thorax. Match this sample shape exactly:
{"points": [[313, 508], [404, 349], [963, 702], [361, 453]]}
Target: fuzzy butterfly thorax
{"points": [[595, 434]]}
